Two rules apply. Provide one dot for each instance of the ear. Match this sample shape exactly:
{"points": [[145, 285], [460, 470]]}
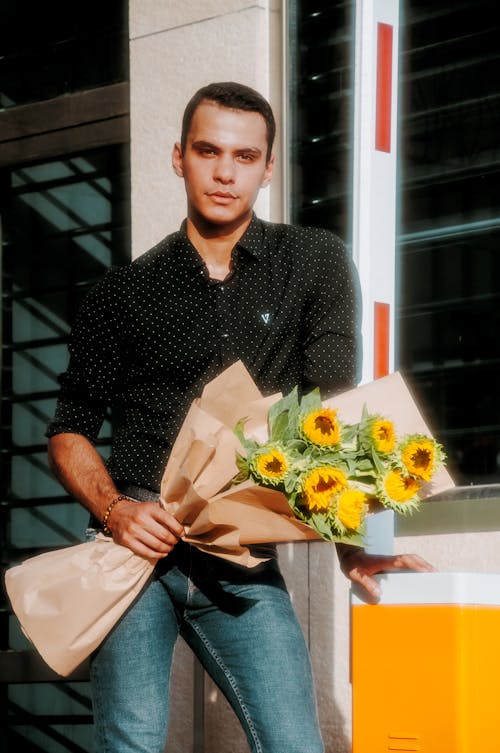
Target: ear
{"points": [[177, 159], [268, 172]]}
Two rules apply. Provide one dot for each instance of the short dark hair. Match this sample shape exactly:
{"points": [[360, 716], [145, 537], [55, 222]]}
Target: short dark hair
{"points": [[236, 97]]}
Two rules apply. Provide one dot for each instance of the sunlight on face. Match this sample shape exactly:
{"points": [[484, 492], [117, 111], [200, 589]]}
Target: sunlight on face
{"points": [[224, 164]]}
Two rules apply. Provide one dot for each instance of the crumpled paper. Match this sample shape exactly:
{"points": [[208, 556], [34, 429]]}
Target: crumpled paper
{"points": [[68, 600], [196, 487]]}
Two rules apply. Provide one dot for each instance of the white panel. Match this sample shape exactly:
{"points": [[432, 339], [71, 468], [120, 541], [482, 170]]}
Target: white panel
{"points": [[374, 187], [479, 589]]}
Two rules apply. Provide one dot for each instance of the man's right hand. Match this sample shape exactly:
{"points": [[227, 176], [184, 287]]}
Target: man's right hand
{"points": [[145, 528]]}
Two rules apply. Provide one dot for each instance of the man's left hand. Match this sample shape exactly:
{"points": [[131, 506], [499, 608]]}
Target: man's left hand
{"points": [[359, 566]]}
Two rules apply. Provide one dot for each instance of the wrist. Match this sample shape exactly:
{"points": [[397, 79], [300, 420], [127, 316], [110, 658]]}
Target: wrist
{"points": [[108, 511], [347, 552]]}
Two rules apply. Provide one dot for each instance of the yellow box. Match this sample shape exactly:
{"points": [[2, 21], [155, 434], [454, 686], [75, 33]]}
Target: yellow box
{"points": [[425, 665]]}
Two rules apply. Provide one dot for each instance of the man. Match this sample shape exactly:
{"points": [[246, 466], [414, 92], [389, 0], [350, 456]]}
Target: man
{"points": [[148, 337]]}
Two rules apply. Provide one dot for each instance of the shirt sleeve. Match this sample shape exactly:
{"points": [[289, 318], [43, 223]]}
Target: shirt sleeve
{"points": [[88, 384], [332, 343]]}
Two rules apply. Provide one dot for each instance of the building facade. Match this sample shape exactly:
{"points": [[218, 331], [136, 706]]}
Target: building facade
{"points": [[91, 106]]}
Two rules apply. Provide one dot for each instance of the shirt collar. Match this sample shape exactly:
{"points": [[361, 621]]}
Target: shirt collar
{"points": [[185, 251], [252, 241]]}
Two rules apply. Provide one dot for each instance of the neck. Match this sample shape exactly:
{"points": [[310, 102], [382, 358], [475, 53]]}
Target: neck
{"points": [[215, 243]]}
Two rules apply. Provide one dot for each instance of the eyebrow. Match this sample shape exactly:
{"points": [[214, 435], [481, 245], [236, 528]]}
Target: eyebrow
{"points": [[208, 145]]}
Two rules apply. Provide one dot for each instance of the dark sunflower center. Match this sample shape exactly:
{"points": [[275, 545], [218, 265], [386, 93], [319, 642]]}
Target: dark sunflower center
{"points": [[324, 484], [421, 458], [324, 425], [274, 466]]}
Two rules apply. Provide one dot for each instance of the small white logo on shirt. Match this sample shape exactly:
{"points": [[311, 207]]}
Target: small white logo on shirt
{"points": [[266, 317]]}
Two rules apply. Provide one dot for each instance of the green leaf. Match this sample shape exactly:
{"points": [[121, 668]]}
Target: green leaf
{"points": [[239, 478], [250, 445], [241, 462], [311, 401], [364, 465], [296, 444], [238, 429], [321, 526], [282, 406], [377, 462], [293, 421], [349, 434], [279, 427], [290, 482]]}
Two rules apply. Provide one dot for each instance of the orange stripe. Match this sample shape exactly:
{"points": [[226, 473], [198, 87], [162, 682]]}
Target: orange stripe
{"points": [[384, 88], [381, 340]]}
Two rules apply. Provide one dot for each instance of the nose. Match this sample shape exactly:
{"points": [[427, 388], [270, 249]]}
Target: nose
{"points": [[224, 169]]}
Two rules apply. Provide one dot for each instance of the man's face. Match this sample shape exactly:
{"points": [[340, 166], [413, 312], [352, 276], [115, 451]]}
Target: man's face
{"points": [[223, 164]]}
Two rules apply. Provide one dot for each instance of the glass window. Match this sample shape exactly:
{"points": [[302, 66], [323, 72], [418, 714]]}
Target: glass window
{"points": [[65, 222], [321, 73], [64, 211], [449, 232], [49, 49], [448, 265]]}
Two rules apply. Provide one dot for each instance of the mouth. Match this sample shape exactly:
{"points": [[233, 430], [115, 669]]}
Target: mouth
{"points": [[222, 196]]}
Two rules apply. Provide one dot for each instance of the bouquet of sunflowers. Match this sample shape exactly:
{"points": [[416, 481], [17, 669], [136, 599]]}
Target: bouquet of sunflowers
{"points": [[306, 475], [332, 472], [247, 469]]}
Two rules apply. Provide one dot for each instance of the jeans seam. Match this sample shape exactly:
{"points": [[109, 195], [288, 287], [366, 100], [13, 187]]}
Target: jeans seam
{"points": [[189, 585], [97, 711], [232, 682]]}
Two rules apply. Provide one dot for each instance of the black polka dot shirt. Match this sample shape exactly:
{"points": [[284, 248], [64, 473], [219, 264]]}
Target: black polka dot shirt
{"points": [[150, 334]]}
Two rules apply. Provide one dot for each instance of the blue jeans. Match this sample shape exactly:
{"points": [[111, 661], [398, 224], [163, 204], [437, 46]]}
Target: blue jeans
{"points": [[240, 624]]}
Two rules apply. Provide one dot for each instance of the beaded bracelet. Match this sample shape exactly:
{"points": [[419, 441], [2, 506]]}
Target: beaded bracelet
{"points": [[105, 528]]}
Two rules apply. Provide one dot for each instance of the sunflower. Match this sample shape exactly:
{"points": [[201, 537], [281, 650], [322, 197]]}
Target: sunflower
{"points": [[270, 464], [420, 456], [351, 507], [383, 435], [399, 491], [320, 486], [321, 427]]}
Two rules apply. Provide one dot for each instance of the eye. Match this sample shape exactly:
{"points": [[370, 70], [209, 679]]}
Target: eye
{"points": [[246, 157], [206, 151]]}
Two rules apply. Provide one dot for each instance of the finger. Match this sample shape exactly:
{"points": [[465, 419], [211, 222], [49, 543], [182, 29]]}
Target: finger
{"points": [[150, 517], [155, 534], [393, 563], [411, 562], [168, 521], [369, 584], [147, 543], [142, 550]]}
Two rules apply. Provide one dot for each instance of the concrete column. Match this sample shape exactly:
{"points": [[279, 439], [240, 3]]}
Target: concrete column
{"points": [[175, 48]]}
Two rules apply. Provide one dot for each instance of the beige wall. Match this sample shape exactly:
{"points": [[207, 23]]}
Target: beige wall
{"points": [[176, 47]]}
